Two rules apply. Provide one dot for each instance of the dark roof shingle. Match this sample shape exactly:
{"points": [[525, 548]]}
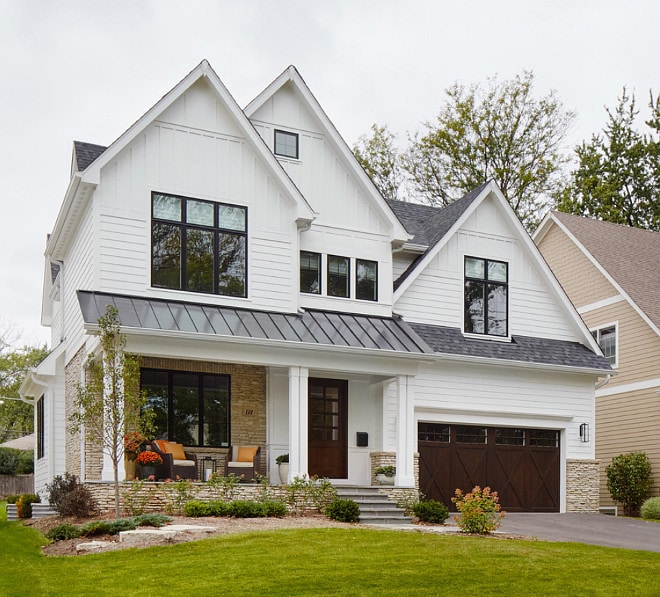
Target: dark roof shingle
{"points": [[85, 154]]}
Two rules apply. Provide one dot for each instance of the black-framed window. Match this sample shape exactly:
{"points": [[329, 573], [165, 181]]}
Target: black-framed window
{"points": [[192, 409], [310, 272], [198, 246], [339, 276], [366, 280], [41, 437], [486, 297], [606, 338], [286, 144]]}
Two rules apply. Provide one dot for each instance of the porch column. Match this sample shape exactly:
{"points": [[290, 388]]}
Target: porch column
{"points": [[405, 432], [298, 414]]}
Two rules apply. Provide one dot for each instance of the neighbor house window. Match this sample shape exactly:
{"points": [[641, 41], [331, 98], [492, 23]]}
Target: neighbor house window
{"points": [[606, 338], [41, 444], [192, 409], [286, 144], [486, 290], [339, 276], [366, 280], [310, 272], [199, 246]]}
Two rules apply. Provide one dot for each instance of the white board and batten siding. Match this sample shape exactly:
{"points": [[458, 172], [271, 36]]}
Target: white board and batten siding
{"points": [[209, 162], [436, 295]]}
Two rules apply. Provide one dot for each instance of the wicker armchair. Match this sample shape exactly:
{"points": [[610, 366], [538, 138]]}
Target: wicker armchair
{"points": [[243, 461], [174, 467]]}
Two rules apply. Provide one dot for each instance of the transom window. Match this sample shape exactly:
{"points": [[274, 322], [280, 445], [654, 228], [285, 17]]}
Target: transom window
{"points": [[286, 144], [192, 409], [486, 297], [606, 338], [198, 246]]}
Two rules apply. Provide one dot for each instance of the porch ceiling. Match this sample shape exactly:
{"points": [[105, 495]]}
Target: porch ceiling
{"points": [[310, 327]]}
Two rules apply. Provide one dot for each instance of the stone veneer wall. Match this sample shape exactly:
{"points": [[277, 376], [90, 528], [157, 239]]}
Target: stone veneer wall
{"points": [[389, 459], [248, 403], [582, 492], [93, 449]]}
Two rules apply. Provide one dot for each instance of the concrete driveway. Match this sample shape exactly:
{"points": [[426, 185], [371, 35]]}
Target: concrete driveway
{"points": [[596, 529]]}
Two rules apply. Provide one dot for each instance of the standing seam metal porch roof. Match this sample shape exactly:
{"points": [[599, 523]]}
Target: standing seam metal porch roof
{"points": [[310, 327]]}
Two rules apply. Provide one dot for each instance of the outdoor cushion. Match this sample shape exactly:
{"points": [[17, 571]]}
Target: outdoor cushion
{"points": [[184, 462], [176, 450], [238, 464], [160, 443], [246, 453]]}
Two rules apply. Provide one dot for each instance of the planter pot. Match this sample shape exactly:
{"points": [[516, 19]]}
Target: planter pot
{"points": [[147, 470], [384, 480], [130, 466], [283, 470]]}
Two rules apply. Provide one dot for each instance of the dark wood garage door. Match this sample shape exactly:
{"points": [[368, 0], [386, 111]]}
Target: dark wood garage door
{"points": [[522, 465]]}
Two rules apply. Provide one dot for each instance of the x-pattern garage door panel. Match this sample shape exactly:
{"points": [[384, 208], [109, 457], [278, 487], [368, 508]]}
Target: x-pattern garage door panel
{"points": [[526, 476]]}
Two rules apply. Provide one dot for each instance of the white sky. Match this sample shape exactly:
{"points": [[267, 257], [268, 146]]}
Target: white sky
{"points": [[88, 69]]}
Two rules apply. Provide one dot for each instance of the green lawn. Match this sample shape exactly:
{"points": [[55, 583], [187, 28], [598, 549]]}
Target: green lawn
{"points": [[329, 562]]}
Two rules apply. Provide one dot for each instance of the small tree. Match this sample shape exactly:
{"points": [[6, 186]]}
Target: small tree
{"points": [[110, 403], [629, 479]]}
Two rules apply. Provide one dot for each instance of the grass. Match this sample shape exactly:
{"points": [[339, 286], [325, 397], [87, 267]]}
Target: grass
{"points": [[329, 562]]}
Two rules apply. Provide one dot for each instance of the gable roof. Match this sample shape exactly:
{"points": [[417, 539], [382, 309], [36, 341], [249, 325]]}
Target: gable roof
{"points": [[84, 154], [291, 75], [84, 181], [629, 257]]}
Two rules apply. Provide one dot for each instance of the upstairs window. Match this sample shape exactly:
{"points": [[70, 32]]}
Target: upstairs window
{"points": [[198, 246], [339, 269], [486, 297], [606, 338], [41, 429], [366, 280], [286, 144], [310, 272]]}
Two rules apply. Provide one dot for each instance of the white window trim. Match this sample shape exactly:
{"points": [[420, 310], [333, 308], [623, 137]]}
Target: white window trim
{"points": [[615, 325]]}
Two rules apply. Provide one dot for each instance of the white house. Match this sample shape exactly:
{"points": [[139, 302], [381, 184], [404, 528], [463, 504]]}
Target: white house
{"points": [[277, 299]]}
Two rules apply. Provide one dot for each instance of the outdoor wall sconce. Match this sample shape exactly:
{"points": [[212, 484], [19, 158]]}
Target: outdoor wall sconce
{"points": [[584, 432]]}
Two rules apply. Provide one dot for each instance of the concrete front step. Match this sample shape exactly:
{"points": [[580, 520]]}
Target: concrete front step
{"points": [[375, 507]]}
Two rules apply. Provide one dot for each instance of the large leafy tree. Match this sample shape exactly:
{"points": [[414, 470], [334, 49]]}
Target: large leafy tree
{"points": [[381, 160], [618, 174], [16, 417]]}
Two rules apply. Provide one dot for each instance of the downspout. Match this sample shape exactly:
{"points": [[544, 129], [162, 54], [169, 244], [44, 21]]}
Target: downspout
{"points": [[600, 384]]}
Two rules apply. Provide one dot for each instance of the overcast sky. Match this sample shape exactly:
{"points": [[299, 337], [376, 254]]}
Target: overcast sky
{"points": [[87, 70]]}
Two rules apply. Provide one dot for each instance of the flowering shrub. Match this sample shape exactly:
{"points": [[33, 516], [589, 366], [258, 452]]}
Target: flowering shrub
{"points": [[133, 441], [480, 510], [149, 457]]}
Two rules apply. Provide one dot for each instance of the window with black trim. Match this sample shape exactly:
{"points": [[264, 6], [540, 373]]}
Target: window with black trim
{"points": [[198, 246], [339, 276], [286, 144], [192, 409], [486, 297], [310, 272], [606, 338], [366, 280], [41, 444]]}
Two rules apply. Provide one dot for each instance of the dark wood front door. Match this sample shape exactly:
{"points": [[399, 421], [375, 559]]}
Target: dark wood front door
{"points": [[328, 422]]}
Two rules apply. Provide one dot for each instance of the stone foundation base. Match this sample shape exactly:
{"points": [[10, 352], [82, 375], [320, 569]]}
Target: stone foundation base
{"points": [[582, 486]]}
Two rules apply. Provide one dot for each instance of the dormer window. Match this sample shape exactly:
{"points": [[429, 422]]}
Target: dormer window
{"points": [[486, 297], [286, 144]]}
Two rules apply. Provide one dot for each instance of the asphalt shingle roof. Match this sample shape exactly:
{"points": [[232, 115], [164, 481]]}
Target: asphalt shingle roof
{"points": [[526, 349], [86, 153], [630, 255]]}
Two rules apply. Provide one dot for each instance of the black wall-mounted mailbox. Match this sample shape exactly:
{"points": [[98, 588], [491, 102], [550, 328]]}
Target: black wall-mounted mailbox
{"points": [[362, 439]]}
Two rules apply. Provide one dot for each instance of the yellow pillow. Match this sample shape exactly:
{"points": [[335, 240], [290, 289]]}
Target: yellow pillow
{"points": [[176, 450], [246, 453]]}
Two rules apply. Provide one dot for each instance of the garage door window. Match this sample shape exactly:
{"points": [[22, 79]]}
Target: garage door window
{"points": [[543, 438], [470, 435], [433, 432], [509, 437]]}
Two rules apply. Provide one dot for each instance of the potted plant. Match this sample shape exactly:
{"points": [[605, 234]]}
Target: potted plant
{"points": [[133, 442], [148, 461], [385, 474], [283, 467]]}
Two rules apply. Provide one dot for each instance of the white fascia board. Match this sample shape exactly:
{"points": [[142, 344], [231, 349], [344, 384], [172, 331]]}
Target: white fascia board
{"points": [[203, 70], [63, 214], [291, 74], [551, 219], [482, 414]]}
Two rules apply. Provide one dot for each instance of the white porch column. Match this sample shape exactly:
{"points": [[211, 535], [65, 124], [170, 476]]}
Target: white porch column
{"points": [[405, 432], [298, 414]]}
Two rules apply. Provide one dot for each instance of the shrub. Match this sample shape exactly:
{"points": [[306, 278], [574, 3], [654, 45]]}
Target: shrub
{"points": [[629, 479], [69, 498], [245, 509], [480, 510], [177, 494], [108, 527], [25, 465], [64, 531], [151, 520], [431, 511], [343, 510], [12, 499], [24, 504], [274, 508], [8, 461], [135, 498], [224, 487], [305, 491], [388, 470], [59, 488], [197, 508], [651, 509]]}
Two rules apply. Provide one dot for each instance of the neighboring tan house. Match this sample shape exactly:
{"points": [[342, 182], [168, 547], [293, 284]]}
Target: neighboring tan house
{"points": [[277, 299], [611, 273]]}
